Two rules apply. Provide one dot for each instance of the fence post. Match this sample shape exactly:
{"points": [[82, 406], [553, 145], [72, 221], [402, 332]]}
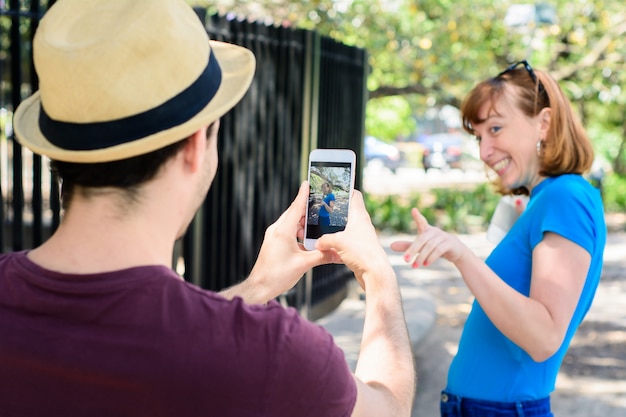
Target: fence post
{"points": [[310, 120]]}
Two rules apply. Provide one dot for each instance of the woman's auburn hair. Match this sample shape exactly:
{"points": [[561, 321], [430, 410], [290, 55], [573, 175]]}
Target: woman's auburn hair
{"points": [[566, 148]]}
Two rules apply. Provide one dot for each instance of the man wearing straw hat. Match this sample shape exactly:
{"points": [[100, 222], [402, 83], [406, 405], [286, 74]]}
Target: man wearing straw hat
{"points": [[94, 321]]}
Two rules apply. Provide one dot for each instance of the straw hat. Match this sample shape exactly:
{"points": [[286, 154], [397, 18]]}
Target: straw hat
{"points": [[120, 78]]}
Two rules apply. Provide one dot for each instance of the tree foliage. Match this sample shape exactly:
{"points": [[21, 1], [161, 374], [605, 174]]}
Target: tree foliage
{"points": [[337, 177], [431, 52]]}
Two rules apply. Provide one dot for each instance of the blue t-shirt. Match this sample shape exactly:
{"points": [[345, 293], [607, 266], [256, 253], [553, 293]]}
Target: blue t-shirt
{"points": [[327, 199], [488, 365]]}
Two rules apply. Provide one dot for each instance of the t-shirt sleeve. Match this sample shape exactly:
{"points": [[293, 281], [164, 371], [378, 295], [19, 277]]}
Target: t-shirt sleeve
{"points": [[311, 376], [567, 212]]}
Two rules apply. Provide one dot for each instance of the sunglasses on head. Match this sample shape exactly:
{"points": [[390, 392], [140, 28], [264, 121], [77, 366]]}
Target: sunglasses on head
{"points": [[526, 65], [528, 69]]}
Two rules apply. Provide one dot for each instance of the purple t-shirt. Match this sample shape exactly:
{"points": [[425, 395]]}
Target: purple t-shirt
{"points": [[142, 342]]}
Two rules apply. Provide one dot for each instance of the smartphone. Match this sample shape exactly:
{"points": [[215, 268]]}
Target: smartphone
{"points": [[331, 182]]}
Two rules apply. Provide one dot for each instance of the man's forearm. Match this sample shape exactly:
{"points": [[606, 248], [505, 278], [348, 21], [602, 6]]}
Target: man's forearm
{"points": [[251, 293], [386, 357]]}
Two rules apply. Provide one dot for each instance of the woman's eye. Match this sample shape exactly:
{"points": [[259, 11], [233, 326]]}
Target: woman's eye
{"points": [[495, 129]]}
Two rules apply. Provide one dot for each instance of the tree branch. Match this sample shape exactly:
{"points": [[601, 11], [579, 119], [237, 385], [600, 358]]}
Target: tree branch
{"points": [[390, 90], [593, 56]]}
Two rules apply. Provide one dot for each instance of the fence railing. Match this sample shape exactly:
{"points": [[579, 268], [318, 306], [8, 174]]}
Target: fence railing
{"points": [[308, 92]]}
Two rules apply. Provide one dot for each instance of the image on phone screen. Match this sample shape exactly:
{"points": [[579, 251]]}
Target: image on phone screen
{"points": [[329, 197]]}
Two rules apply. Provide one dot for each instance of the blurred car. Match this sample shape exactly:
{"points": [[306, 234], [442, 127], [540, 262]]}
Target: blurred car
{"points": [[443, 151], [381, 154]]}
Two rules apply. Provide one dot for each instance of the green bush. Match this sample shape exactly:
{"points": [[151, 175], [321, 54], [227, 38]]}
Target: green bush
{"points": [[463, 211], [455, 210], [614, 193], [392, 213]]}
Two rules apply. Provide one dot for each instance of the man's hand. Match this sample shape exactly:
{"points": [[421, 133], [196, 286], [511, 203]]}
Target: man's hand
{"points": [[282, 260], [358, 246]]}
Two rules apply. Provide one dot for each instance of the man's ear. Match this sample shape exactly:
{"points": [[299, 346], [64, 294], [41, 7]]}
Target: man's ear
{"points": [[194, 150], [545, 115]]}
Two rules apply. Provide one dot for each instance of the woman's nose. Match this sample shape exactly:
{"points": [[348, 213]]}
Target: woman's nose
{"points": [[486, 149]]}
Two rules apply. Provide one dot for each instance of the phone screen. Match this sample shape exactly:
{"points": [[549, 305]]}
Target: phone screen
{"points": [[329, 197]]}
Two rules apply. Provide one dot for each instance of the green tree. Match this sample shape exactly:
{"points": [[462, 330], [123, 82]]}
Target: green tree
{"points": [[429, 53]]}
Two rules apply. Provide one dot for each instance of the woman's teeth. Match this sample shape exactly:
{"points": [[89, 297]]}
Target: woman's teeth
{"points": [[499, 166]]}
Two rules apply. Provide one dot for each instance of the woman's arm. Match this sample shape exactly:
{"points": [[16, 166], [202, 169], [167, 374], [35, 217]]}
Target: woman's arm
{"points": [[537, 323], [329, 206]]}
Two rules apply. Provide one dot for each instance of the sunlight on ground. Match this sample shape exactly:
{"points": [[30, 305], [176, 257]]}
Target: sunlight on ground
{"points": [[591, 386]]}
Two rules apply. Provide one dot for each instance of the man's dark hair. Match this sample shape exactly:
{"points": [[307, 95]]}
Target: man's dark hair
{"points": [[125, 174]]}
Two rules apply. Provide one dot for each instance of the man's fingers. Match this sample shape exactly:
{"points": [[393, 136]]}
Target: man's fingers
{"points": [[330, 255], [294, 213], [327, 242], [355, 202], [357, 208], [357, 197], [332, 242]]}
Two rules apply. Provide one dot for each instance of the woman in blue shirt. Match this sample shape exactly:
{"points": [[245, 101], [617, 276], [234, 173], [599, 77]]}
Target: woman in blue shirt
{"points": [[326, 207], [534, 289]]}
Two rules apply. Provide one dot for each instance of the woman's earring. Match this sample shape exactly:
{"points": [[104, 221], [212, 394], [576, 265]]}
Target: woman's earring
{"points": [[539, 147]]}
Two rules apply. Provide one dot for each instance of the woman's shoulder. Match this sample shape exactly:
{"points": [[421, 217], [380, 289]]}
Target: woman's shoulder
{"points": [[569, 184], [571, 192]]}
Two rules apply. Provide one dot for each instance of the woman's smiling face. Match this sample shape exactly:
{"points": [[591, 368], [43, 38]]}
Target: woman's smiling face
{"points": [[508, 141]]}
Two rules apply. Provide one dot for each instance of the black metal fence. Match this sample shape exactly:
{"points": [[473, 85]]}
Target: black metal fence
{"points": [[308, 92]]}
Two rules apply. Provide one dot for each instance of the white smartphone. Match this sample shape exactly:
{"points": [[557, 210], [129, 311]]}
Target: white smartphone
{"points": [[331, 182]]}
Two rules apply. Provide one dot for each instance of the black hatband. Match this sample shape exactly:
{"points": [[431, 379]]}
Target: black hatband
{"points": [[99, 135]]}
